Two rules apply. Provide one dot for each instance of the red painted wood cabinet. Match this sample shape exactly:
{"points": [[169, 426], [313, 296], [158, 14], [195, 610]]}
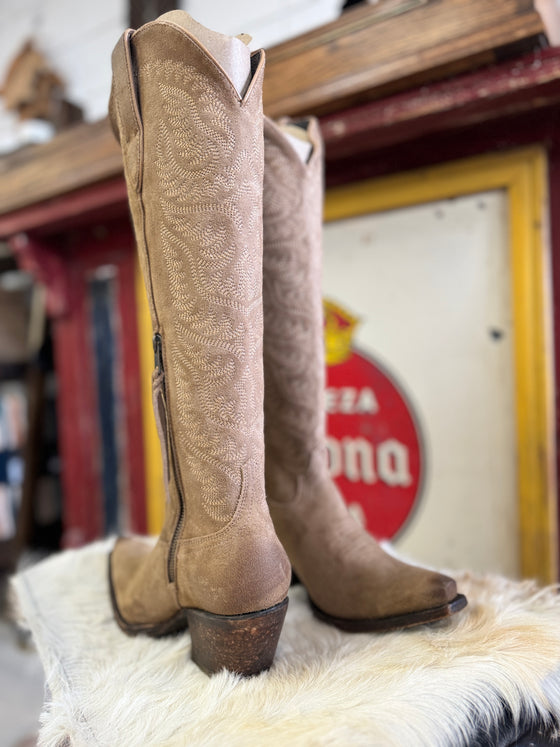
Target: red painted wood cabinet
{"points": [[89, 273]]}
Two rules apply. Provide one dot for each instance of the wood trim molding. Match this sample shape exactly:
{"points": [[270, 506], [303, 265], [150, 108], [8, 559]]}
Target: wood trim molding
{"points": [[523, 83]]}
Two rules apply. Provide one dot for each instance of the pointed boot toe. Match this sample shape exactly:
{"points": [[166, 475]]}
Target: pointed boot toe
{"points": [[446, 598], [426, 597], [422, 589], [446, 588], [371, 591]]}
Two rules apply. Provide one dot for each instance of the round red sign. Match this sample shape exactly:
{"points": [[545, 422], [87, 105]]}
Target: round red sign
{"points": [[374, 443]]}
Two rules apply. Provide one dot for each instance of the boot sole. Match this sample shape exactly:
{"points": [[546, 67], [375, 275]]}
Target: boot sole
{"points": [[243, 644], [395, 622]]}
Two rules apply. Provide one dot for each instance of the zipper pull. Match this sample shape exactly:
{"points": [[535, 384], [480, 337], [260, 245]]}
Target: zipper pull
{"points": [[158, 353]]}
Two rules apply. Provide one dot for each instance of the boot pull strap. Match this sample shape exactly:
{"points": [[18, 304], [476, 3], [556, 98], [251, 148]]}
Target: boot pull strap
{"points": [[124, 105]]}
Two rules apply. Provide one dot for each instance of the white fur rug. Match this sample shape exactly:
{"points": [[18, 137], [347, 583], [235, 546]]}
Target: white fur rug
{"points": [[428, 687]]}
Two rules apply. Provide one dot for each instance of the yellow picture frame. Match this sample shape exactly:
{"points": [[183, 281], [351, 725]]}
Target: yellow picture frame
{"points": [[523, 175]]}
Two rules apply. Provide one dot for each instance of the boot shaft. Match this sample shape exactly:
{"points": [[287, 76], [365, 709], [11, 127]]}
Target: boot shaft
{"points": [[293, 313], [193, 155]]}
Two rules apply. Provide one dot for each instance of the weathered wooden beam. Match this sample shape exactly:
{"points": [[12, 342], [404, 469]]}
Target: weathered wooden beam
{"points": [[83, 155], [92, 201], [525, 83], [373, 51], [361, 56]]}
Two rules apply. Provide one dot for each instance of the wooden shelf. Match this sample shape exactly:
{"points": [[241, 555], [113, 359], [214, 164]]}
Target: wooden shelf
{"points": [[376, 50], [82, 155], [370, 53]]}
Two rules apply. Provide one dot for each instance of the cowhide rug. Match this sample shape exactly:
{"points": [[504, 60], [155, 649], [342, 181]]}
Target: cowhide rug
{"points": [[450, 684]]}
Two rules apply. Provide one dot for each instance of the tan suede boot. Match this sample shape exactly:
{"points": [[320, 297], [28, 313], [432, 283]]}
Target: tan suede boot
{"points": [[352, 583], [193, 158]]}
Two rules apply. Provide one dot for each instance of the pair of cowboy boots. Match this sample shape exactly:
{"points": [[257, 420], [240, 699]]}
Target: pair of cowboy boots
{"points": [[186, 107]]}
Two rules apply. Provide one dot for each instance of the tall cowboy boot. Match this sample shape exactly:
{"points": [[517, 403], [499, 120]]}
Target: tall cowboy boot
{"points": [[352, 583], [193, 159]]}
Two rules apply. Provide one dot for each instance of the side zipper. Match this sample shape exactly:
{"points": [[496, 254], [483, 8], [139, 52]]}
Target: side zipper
{"points": [[159, 368]]}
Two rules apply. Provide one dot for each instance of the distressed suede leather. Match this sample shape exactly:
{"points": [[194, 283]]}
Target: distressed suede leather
{"points": [[345, 571], [193, 158]]}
